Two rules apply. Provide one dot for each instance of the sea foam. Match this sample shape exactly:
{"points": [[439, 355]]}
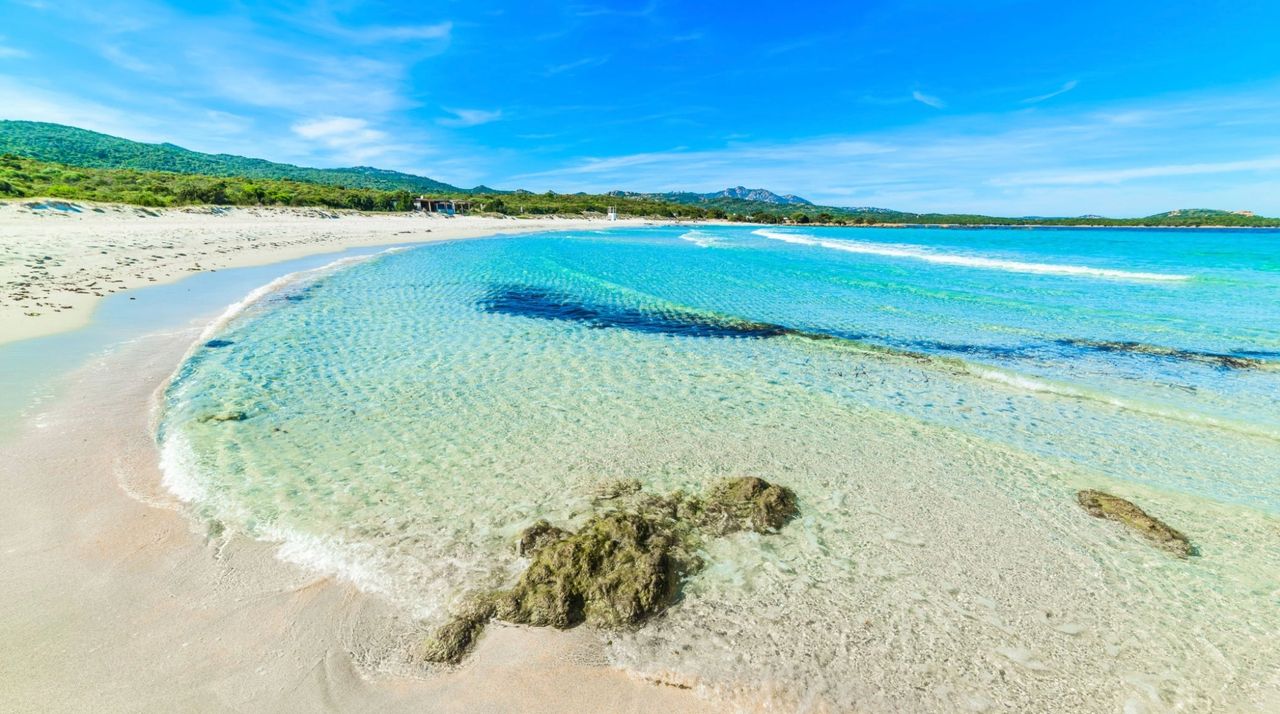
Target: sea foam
{"points": [[966, 261]]}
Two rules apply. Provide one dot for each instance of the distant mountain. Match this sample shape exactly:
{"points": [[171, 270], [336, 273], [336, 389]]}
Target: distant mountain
{"points": [[760, 195], [80, 147], [731, 195], [1195, 213]]}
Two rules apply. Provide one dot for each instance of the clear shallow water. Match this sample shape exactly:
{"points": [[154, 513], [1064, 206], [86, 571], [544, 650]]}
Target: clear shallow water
{"points": [[934, 396], [30, 369]]}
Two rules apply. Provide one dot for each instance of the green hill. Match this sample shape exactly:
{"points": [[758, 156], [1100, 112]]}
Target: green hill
{"points": [[50, 160], [80, 147]]}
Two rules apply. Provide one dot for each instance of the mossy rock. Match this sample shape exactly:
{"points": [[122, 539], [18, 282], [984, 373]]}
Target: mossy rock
{"points": [[617, 570], [218, 417], [617, 488], [1114, 508], [621, 567], [538, 536], [748, 503], [452, 641]]}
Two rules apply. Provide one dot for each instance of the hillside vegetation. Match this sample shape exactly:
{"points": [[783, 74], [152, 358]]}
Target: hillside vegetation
{"points": [[80, 147], [39, 159]]}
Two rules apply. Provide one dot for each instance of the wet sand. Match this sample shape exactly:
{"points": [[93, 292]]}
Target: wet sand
{"points": [[110, 601]]}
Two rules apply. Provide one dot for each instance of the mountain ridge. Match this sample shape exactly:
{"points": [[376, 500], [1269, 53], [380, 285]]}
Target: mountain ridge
{"points": [[94, 151]]}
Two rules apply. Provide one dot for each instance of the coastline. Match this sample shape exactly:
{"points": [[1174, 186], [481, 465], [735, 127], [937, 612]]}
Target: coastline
{"points": [[57, 265], [136, 592], [136, 610]]}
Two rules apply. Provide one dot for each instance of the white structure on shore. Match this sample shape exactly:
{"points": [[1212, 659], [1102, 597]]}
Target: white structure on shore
{"points": [[613, 213]]}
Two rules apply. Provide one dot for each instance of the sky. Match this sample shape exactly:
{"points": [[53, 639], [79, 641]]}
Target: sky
{"points": [[986, 106]]}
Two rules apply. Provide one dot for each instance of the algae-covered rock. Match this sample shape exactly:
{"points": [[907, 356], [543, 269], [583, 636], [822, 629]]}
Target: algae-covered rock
{"points": [[452, 641], [1114, 508], [748, 503], [617, 488], [217, 417], [622, 566], [538, 536], [618, 569]]}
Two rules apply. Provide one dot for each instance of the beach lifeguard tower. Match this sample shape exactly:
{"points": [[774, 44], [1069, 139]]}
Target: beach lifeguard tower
{"points": [[613, 213]]}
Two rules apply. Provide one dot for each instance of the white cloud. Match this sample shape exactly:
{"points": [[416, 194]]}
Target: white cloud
{"points": [[576, 64], [349, 139], [1107, 159], [121, 58], [928, 99], [1067, 87], [469, 117], [32, 103], [402, 33], [7, 52], [1083, 178]]}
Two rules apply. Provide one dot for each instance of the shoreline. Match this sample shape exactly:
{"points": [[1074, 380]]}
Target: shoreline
{"points": [[56, 266], [133, 599]]}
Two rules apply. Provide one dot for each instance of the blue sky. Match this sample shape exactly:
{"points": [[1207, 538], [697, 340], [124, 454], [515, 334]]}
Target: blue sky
{"points": [[993, 106]]}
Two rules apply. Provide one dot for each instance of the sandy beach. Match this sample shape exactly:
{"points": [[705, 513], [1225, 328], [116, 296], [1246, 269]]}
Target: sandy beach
{"points": [[935, 568], [114, 603], [113, 600], [58, 258]]}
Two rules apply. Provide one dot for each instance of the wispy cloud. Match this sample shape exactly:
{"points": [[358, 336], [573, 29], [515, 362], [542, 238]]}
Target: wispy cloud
{"points": [[1114, 176], [928, 99], [1066, 87], [7, 52], [121, 58], [575, 65], [349, 137], [602, 10], [469, 117], [401, 33], [1092, 161]]}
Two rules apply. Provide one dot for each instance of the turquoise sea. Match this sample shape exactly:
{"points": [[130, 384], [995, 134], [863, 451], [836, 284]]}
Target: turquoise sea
{"points": [[934, 396]]}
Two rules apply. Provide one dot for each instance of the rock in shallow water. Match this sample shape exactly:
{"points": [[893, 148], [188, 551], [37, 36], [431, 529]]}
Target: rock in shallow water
{"points": [[538, 536], [1114, 508], [224, 416], [620, 568]]}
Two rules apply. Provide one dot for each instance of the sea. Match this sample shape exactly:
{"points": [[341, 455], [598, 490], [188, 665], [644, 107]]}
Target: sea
{"points": [[935, 397]]}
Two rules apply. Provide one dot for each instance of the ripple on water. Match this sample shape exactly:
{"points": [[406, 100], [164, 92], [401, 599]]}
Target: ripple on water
{"points": [[404, 418]]}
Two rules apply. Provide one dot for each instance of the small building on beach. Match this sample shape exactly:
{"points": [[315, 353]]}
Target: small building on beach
{"points": [[447, 206]]}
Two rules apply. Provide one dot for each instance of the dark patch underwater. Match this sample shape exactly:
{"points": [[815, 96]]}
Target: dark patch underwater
{"points": [[539, 303]]}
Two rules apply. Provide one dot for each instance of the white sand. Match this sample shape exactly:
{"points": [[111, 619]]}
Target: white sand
{"points": [[109, 601], [113, 603], [56, 264]]}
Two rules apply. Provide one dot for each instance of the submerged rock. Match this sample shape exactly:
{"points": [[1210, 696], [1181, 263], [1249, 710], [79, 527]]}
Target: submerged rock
{"points": [[748, 503], [621, 567], [1114, 508], [453, 640], [224, 416], [617, 488], [618, 569], [538, 536]]}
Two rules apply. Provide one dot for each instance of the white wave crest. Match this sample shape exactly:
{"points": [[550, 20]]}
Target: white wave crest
{"points": [[699, 238], [967, 261], [178, 471]]}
